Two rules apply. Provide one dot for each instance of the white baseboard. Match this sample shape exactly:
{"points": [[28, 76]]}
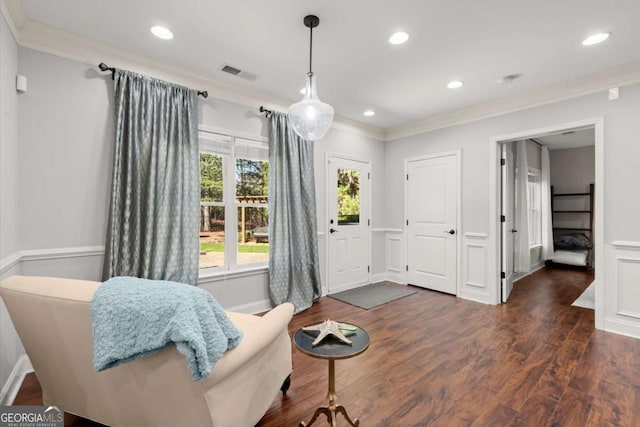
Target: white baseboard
{"points": [[346, 288], [252, 307], [12, 386], [622, 327], [379, 277]]}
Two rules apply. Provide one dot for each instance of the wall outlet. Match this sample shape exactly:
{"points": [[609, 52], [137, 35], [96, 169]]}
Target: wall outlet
{"points": [[614, 93]]}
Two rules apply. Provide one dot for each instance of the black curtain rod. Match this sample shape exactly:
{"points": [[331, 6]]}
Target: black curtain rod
{"points": [[266, 112], [533, 140], [105, 67]]}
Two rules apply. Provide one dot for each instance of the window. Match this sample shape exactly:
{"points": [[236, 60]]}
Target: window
{"points": [[234, 217], [535, 207], [348, 197]]}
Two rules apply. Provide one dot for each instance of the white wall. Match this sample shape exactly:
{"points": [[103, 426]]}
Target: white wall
{"points": [[8, 141], [622, 178], [10, 347]]}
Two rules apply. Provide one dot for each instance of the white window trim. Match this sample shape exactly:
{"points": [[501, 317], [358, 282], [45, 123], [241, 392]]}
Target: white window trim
{"points": [[231, 268]]}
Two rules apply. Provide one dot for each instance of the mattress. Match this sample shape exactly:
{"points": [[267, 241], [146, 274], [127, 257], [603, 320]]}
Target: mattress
{"points": [[570, 257]]}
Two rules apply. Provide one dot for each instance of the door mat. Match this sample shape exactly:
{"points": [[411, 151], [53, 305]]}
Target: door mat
{"points": [[373, 295]]}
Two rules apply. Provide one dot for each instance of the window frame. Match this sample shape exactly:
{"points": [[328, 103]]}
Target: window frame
{"points": [[223, 144]]}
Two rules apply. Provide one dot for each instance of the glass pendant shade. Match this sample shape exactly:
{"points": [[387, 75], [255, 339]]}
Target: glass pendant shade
{"points": [[310, 118]]}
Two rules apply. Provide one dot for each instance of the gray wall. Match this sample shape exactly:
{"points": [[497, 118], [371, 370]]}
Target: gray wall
{"points": [[10, 346], [572, 170], [8, 141]]}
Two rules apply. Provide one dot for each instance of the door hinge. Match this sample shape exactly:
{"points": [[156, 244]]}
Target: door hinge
{"points": [[368, 269], [407, 222], [503, 275], [502, 218], [369, 222], [407, 177], [503, 162], [407, 268], [368, 175]]}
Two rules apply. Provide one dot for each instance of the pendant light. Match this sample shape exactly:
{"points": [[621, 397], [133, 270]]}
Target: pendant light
{"points": [[311, 118]]}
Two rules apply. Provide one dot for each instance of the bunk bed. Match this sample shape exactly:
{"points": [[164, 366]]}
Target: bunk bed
{"points": [[573, 245]]}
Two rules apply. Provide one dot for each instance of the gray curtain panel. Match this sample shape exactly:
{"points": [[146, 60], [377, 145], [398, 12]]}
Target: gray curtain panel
{"points": [[294, 270], [155, 194]]}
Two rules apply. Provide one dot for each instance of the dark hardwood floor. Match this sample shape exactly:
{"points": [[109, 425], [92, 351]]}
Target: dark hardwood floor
{"points": [[438, 360]]}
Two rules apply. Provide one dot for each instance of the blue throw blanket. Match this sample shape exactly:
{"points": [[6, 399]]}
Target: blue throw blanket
{"points": [[133, 318]]}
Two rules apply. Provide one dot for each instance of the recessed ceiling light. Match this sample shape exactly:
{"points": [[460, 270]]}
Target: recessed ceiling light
{"points": [[455, 84], [369, 113], [399, 37], [595, 39], [161, 32]]}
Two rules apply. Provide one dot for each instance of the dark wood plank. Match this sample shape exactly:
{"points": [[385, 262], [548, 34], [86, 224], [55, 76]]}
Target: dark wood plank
{"points": [[440, 361], [573, 410]]}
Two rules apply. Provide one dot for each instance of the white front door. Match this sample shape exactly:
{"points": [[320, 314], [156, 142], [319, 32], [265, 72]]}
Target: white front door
{"points": [[508, 192], [432, 212], [349, 223]]}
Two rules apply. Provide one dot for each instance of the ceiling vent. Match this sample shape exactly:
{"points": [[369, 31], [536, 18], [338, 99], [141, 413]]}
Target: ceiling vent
{"points": [[226, 68], [506, 80]]}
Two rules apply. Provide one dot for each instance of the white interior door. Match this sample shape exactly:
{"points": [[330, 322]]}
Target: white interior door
{"points": [[349, 227], [508, 211], [432, 211]]}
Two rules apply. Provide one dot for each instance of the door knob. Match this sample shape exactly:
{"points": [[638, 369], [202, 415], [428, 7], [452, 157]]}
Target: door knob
{"points": [[333, 230], [452, 231], [514, 231]]}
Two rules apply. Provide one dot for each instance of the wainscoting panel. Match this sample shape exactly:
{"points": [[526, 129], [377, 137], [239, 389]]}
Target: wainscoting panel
{"points": [[622, 294], [475, 267], [395, 256]]}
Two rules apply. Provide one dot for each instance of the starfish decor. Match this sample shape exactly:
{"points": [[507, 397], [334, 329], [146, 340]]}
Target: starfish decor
{"points": [[330, 327]]}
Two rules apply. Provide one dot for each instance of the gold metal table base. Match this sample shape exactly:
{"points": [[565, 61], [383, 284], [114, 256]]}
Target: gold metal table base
{"points": [[332, 410]]}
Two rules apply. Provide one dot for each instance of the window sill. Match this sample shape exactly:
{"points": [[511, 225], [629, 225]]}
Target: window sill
{"points": [[535, 246], [217, 276]]}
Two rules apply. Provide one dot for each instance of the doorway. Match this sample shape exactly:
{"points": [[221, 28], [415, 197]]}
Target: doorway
{"points": [[349, 223], [498, 236]]}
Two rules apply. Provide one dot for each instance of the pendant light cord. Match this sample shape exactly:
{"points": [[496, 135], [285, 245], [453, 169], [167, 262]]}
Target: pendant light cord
{"points": [[310, 48]]}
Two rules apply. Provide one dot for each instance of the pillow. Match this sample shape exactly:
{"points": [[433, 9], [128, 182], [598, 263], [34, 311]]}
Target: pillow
{"points": [[573, 240]]}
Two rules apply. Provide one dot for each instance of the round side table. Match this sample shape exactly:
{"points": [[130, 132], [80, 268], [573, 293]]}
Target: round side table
{"points": [[332, 349]]}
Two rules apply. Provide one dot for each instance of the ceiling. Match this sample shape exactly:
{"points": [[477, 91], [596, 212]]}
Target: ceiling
{"points": [[569, 139], [357, 69]]}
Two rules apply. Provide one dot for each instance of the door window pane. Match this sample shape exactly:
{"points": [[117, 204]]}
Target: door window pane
{"points": [[348, 197], [211, 236]]}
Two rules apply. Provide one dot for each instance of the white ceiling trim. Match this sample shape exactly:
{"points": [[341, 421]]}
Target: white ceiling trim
{"points": [[44, 38], [620, 76]]}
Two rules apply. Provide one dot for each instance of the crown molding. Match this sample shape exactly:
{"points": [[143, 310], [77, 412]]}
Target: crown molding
{"points": [[14, 16], [603, 80], [45, 38]]}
